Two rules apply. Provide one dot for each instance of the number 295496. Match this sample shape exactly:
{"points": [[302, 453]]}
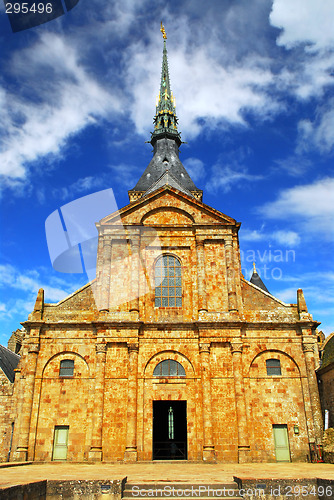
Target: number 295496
{"points": [[25, 8]]}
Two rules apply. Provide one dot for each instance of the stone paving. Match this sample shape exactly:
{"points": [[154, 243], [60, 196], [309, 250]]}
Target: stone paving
{"points": [[195, 473]]}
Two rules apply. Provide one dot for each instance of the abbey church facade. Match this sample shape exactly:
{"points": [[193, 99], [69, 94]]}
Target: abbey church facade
{"points": [[170, 353]]}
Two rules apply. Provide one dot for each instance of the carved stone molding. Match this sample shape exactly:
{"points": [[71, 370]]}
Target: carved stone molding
{"points": [[200, 242], [101, 348], [236, 347], [107, 240], [205, 347], [135, 244], [33, 348], [307, 347], [133, 347]]}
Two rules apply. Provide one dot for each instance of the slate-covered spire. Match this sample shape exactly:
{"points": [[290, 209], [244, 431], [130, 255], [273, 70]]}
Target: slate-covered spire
{"points": [[256, 280], [165, 119], [166, 141]]}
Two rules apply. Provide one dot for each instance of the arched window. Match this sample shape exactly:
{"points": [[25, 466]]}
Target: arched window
{"points": [[169, 368], [168, 289], [66, 368], [273, 367]]}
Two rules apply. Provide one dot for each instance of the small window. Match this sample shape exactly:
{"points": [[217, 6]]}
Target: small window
{"points": [[66, 368], [169, 368], [168, 286], [273, 367]]}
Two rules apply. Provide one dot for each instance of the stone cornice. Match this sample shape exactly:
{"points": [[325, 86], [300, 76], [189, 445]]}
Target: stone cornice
{"points": [[200, 325]]}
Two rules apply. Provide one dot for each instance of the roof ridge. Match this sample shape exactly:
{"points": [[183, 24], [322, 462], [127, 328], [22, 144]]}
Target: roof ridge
{"points": [[167, 174]]}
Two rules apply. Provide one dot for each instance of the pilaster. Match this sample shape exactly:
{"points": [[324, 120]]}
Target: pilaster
{"points": [[130, 454], [208, 447], [21, 452], [202, 300], [105, 274], [243, 440], [135, 246], [230, 276], [96, 453], [308, 348]]}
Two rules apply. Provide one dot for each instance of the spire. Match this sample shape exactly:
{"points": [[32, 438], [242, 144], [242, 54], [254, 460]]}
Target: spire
{"points": [[256, 280], [165, 119], [165, 166]]}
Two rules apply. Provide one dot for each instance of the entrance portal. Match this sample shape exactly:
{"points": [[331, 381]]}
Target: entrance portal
{"points": [[169, 430]]}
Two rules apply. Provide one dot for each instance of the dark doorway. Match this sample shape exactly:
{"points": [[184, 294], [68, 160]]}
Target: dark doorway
{"points": [[169, 430]]}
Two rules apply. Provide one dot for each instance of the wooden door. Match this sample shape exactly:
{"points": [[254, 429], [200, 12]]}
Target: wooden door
{"points": [[60, 442], [282, 450]]}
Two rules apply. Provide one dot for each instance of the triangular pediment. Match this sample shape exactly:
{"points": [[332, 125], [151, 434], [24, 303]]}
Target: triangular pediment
{"points": [[182, 209]]}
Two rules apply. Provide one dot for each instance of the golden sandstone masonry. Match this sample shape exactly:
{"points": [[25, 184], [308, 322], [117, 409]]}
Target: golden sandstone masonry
{"points": [[170, 353]]}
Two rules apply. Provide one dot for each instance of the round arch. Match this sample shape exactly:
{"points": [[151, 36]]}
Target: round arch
{"points": [[273, 351], [59, 356], [168, 354]]}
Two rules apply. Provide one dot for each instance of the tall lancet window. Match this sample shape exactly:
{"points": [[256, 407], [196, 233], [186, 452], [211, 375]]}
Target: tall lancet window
{"points": [[168, 286]]}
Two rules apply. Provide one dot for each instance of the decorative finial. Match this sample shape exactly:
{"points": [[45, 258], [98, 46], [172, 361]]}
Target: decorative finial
{"points": [[254, 268], [163, 31]]}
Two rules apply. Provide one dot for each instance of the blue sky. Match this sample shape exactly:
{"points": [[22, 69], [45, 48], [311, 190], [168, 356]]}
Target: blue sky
{"points": [[253, 83]]}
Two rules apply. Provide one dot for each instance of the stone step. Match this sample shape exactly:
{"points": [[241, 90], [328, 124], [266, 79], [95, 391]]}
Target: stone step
{"points": [[174, 490]]}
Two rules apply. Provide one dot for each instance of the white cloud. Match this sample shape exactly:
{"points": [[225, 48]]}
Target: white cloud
{"points": [[294, 165], [223, 177], [318, 134], [311, 205], [288, 295], [304, 21], [286, 238], [195, 168], [214, 85], [82, 185], [122, 173], [63, 100], [205, 88], [30, 281]]}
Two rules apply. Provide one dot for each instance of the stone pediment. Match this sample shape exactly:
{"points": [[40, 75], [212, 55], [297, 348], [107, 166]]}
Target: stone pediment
{"points": [[167, 205]]}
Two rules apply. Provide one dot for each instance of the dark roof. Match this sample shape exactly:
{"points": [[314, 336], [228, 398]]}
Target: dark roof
{"points": [[166, 157], [328, 352], [167, 179], [256, 280], [8, 362]]}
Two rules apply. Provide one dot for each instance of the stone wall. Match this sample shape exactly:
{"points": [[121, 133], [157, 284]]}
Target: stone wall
{"points": [[7, 416], [328, 446]]}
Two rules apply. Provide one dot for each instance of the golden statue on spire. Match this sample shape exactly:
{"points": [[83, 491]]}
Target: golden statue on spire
{"points": [[163, 31]]}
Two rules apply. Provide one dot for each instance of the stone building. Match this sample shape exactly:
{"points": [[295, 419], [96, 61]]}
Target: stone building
{"points": [[326, 378], [8, 362], [170, 353]]}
